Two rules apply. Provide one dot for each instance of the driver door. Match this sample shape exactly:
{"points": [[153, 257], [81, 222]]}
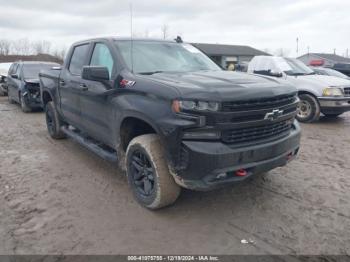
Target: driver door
{"points": [[96, 111]]}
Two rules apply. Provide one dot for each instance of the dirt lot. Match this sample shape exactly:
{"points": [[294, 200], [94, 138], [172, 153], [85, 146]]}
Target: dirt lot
{"points": [[56, 197]]}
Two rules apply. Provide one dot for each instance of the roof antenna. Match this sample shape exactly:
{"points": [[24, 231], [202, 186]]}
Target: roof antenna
{"points": [[178, 39], [131, 41]]}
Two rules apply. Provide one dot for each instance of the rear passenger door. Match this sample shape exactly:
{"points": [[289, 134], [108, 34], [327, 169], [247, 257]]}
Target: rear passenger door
{"points": [[70, 85], [96, 112]]}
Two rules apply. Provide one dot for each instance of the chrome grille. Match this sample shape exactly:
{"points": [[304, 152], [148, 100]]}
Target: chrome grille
{"points": [[347, 91]]}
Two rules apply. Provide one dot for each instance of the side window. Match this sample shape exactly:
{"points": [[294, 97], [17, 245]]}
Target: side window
{"points": [[78, 59], [102, 57], [13, 69]]}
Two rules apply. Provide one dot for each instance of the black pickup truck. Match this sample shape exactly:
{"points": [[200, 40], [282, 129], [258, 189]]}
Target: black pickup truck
{"points": [[169, 115]]}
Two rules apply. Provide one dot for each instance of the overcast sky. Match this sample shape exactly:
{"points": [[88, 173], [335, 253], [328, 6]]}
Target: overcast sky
{"points": [[269, 24]]}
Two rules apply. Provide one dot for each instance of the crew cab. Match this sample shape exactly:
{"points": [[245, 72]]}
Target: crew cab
{"points": [[169, 115], [23, 83], [318, 94]]}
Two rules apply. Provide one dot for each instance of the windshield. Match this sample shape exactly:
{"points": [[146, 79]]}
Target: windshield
{"points": [[152, 57], [332, 72], [296, 67], [31, 71]]}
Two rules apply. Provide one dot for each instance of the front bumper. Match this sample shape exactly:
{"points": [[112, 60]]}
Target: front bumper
{"points": [[32, 101], [336, 105], [213, 164]]}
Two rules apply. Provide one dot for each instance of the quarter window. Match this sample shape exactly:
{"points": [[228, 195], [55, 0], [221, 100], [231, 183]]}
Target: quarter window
{"points": [[102, 57], [78, 59]]}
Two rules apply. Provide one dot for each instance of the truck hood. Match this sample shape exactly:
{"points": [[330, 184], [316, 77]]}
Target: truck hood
{"points": [[32, 81], [317, 81], [222, 85]]}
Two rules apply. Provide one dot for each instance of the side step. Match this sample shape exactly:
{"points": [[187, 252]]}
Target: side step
{"points": [[99, 149]]}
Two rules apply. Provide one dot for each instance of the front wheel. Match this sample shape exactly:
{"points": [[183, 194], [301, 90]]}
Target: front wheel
{"points": [[148, 174], [24, 107], [308, 109], [53, 122]]}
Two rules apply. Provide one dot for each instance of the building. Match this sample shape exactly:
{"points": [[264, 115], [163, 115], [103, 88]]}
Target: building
{"points": [[322, 59], [337, 62], [224, 55]]}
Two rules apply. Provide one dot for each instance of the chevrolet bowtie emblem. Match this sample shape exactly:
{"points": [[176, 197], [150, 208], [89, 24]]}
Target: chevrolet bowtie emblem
{"points": [[275, 114]]}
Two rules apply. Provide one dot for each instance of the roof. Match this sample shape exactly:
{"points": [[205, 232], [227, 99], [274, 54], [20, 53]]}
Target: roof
{"points": [[228, 50], [330, 57]]}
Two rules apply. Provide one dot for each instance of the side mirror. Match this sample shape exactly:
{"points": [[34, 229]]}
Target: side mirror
{"points": [[15, 76], [95, 73], [276, 74]]}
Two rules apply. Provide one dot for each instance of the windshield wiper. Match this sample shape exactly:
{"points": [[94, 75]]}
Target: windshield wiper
{"points": [[150, 73]]}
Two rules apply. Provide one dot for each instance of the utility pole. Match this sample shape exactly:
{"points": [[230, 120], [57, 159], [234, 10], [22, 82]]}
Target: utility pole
{"points": [[308, 49], [334, 51], [347, 52], [297, 46]]}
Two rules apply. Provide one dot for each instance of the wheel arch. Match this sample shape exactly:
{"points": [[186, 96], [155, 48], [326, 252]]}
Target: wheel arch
{"points": [[132, 126]]}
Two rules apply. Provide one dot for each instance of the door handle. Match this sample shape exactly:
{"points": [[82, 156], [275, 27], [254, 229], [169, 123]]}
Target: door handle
{"points": [[62, 83], [83, 87]]}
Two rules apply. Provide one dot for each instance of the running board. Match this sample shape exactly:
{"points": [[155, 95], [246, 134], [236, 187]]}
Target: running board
{"points": [[89, 143]]}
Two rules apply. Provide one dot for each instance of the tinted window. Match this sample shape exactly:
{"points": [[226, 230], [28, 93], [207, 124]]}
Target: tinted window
{"points": [[102, 57], [78, 59]]}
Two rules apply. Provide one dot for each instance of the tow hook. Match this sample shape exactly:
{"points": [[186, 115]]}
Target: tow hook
{"points": [[241, 172]]}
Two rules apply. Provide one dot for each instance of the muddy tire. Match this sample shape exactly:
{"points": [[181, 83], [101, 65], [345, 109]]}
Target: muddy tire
{"points": [[24, 107], [53, 122], [308, 109], [148, 174]]}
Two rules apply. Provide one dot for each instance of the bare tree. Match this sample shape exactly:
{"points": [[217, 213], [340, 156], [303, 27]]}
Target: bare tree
{"points": [[165, 31], [42, 47], [22, 47], [5, 46]]}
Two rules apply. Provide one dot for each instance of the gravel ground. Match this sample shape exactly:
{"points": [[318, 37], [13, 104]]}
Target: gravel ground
{"points": [[58, 198]]}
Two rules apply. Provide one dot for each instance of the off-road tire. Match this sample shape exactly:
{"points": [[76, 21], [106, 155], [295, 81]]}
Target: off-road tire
{"points": [[24, 107], [165, 190], [315, 110], [53, 121]]}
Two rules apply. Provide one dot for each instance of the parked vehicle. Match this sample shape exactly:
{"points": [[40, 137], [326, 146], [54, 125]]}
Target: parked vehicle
{"points": [[4, 68], [169, 115], [342, 68], [23, 83], [318, 93], [328, 72]]}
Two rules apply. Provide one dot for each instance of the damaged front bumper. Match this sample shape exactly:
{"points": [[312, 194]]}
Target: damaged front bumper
{"points": [[32, 99]]}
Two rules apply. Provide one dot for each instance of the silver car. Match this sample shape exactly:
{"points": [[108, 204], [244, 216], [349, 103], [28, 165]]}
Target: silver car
{"points": [[318, 94]]}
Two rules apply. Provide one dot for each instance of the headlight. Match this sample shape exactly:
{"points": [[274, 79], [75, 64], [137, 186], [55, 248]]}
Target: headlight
{"points": [[333, 91], [186, 105]]}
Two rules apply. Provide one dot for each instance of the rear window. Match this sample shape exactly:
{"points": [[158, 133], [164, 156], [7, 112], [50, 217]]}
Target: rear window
{"points": [[78, 59]]}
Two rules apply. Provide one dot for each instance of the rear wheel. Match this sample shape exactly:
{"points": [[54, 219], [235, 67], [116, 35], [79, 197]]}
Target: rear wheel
{"points": [[53, 122], [308, 109], [148, 174]]}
